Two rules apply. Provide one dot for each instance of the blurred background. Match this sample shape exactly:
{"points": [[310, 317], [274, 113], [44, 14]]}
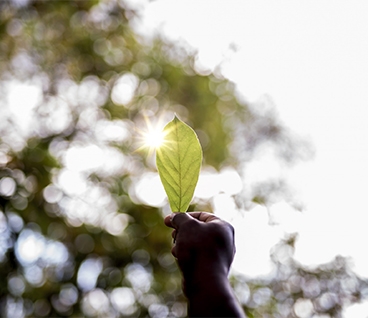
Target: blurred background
{"points": [[276, 95]]}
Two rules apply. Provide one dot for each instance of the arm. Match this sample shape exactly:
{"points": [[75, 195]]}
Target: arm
{"points": [[205, 249]]}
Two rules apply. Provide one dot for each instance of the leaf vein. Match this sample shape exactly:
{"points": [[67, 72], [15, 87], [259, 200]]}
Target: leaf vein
{"points": [[170, 174]]}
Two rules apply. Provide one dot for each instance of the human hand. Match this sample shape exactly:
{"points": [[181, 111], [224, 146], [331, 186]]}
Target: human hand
{"points": [[204, 246]]}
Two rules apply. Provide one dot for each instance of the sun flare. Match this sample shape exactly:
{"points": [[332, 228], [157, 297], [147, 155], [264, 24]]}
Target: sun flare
{"points": [[154, 138], [151, 137]]}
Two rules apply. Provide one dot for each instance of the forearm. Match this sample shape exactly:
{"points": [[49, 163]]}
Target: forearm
{"points": [[212, 298]]}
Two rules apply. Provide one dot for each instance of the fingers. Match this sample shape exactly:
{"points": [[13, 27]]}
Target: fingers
{"points": [[173, 251], [178, 219], [183, 217], [174, 220], [168, 219]]}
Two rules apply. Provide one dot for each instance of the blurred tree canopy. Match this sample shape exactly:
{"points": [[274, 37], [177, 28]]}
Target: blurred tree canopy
{"points": [[80, 89]]}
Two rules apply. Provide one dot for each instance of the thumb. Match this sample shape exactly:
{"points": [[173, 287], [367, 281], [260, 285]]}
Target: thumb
{"points": [[179, 218]]}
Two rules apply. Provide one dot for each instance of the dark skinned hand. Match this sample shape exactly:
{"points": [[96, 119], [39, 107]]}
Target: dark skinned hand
{"points": [[204, 248]]}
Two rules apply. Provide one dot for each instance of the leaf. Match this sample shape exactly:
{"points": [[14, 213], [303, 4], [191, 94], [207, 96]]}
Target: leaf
{"points": [[178, 162]]}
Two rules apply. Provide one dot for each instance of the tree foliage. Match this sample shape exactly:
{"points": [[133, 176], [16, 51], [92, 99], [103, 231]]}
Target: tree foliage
{"points": [[76, 239]]}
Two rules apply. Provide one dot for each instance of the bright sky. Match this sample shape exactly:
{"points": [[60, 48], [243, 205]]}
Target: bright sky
{"points": [[310, 58]]}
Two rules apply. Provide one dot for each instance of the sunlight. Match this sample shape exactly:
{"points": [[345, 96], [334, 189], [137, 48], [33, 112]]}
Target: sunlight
{"points": [[151, 137], [154, 138]]}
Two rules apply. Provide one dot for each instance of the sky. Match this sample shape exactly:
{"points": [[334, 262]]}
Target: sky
{"points": [[309, 58]]}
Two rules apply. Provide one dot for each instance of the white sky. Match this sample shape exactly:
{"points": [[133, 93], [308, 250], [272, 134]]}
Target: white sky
{"points": [[311, 59]]}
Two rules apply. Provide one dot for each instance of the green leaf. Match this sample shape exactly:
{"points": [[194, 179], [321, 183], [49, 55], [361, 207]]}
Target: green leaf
{"points": [[178, 162]]}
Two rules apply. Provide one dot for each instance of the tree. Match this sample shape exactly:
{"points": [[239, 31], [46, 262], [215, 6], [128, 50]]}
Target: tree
{"points": [[296, 290], [76, 239]]}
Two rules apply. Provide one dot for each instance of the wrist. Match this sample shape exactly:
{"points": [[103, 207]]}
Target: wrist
{"points": [[204, 280], [212, 298]]}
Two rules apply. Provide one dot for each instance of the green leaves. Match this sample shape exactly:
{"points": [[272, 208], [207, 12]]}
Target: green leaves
{"points": [[178, 162]]}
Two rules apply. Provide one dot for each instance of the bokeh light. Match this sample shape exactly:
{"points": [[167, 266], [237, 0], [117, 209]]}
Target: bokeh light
{"points": [[88, 274], [86, 97]]}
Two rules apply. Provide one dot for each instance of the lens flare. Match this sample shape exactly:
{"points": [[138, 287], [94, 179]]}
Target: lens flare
{"points": [[151, 137], [154, 138]]}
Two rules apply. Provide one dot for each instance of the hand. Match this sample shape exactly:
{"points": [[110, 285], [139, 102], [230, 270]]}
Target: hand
{"points": [[204, 248], [203, 242]]}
